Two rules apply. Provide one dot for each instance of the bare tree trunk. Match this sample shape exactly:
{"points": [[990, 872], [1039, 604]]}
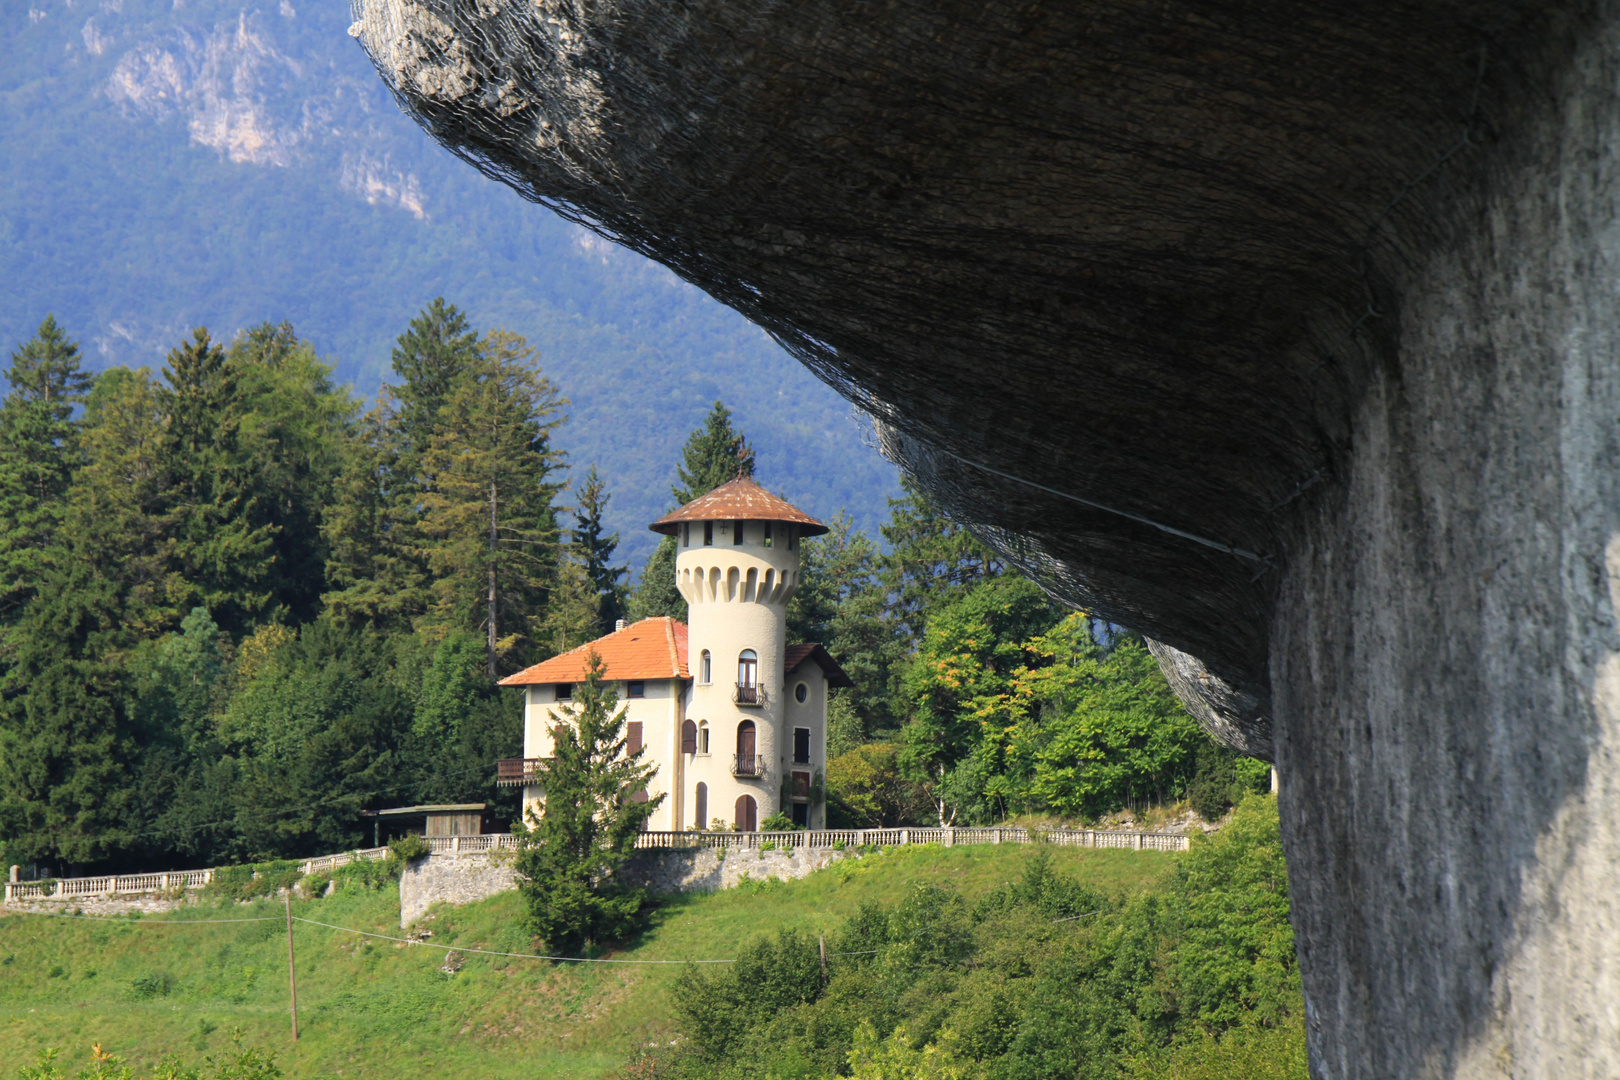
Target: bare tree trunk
{"points": [[492, 545]]}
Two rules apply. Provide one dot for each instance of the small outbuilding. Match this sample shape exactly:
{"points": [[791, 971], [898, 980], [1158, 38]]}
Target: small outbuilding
{"points": [[444, 819]]}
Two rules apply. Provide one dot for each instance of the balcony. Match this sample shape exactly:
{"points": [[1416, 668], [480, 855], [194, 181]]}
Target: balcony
{"points": [[749, 695], [749, 765], [515, 772]]}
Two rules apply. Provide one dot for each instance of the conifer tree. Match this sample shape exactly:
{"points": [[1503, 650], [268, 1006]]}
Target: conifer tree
{"points": [[38, 453], [713, 455], [489, 511], [594, 547], [430, 358], [595, 807], [224, 537]]}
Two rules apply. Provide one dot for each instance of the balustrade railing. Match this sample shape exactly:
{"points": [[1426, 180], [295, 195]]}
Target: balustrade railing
{"points": [[749, 695], [747, 765], [512, 772], [147, 884]]}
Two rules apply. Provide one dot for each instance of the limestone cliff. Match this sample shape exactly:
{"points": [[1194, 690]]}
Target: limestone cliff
{"points": [[1283, 334]]}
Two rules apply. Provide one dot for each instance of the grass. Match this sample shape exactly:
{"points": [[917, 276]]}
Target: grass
{"points": [[370, 1008]]}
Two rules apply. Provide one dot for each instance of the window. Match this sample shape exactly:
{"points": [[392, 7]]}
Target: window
{"points": [[746, 745], [791, 537], [565, 691], [708, 533], [640, 796], [689, 739], [636, 689], [801, 693], [700, 806], [747, 819], [705, 669], [736, 532], [632, 737], [801, 815], [770, 534], [801, 785], [703, 737], [801, 746], [748, 669], [686, 534]]}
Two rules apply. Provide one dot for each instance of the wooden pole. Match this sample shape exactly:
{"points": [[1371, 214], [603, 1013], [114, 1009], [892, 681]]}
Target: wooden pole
{"points": [[292, 974]]}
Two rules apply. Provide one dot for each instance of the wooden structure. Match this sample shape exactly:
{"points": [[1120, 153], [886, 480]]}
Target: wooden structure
{"points": [[441, 819]]}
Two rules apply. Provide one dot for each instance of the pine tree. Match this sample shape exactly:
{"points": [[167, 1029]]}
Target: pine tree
{"points": [[932, 560], [714, 454], [224, 533], [430, 358], [489, 512], [38, 453], [594, 809], [594, 547]]}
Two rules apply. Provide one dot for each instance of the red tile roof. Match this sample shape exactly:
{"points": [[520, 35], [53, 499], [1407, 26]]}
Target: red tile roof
{"points": [[811, 650], [649, 649], [738, 500]]}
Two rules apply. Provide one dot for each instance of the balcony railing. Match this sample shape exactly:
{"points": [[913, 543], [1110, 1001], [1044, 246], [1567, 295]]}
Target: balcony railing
{"points": [[747, 765], [749, 695], [515, 772]]}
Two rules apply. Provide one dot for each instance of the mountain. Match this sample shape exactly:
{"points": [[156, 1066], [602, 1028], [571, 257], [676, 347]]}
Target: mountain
{"points": [[172, 163]]}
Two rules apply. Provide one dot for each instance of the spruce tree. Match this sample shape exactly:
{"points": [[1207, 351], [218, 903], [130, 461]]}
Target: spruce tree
{"points": [[430, 358], [714, 454], [489, 512], [221, 520], [594, 547], [38, 453], [595, 807]]}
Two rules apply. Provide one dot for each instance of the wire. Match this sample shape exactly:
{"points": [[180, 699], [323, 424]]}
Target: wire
{"points": [[491, 952], [132, 922]]}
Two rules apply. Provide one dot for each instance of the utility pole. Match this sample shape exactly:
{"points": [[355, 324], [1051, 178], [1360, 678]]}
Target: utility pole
{"points": [[292, 974]]}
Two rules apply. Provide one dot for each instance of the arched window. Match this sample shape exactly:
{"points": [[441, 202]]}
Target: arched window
{"points": [[747, 744], [700, 806], [747, 814], [748, 669], [689, 737], [703, 737], [706, 668]]}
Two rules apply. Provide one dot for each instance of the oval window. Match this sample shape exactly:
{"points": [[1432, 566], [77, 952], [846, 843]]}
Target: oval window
{"points": [[801, 693]]}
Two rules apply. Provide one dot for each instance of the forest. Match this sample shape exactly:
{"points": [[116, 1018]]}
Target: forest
{"points": [[238, 605]]}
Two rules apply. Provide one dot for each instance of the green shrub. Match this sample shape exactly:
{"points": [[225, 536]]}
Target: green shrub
{"points": [[777, 822], [253, 881], [404, 851], [156, 985]]}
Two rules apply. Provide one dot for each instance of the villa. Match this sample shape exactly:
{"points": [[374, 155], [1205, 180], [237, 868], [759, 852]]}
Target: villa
{"points": [[734, 717]]}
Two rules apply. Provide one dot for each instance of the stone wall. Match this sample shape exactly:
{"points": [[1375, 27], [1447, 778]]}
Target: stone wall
{"points": [[463, 879], [145, 904], [452, 879]]}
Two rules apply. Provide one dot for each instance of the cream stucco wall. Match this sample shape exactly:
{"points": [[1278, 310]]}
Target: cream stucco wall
{"points": [[660, 712]]}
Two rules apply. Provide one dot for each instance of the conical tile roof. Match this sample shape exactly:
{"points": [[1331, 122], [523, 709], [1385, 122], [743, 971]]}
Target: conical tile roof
{"points": [[738, 500]]}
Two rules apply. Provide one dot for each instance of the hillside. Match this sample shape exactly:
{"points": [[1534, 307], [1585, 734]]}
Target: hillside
{"points": [[371, 1008], [164, 165]]}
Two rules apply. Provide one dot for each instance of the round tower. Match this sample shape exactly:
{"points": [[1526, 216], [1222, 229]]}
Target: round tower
{"points": [[737, 565]]}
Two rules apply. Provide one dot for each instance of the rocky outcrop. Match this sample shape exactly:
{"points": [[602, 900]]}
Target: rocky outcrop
{"points": [[1284, 335]]}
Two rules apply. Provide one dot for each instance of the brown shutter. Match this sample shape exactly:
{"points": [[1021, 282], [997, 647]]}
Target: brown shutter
{"points": [[747, 814], [745, 740], [632, 736], [801, 785], [639, 796], [689, 738]]}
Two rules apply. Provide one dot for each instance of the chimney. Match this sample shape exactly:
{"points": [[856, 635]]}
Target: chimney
{"points": [[618, 625]]}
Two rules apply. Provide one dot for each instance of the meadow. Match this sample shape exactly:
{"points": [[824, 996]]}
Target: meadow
{"points": [[369, 1007]]}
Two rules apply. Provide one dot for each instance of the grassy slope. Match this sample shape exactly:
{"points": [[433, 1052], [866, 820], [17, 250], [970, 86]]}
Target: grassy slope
{"points": [[376, 1009]]}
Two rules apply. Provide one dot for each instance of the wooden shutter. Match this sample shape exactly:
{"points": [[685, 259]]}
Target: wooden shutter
{"points": [[801, 785], [689, 738], [632, 736], [702, 800], [747, 814], [745, 739]]}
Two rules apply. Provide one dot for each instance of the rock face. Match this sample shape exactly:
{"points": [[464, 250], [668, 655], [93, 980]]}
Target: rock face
{"points": [[1284, 335]]}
